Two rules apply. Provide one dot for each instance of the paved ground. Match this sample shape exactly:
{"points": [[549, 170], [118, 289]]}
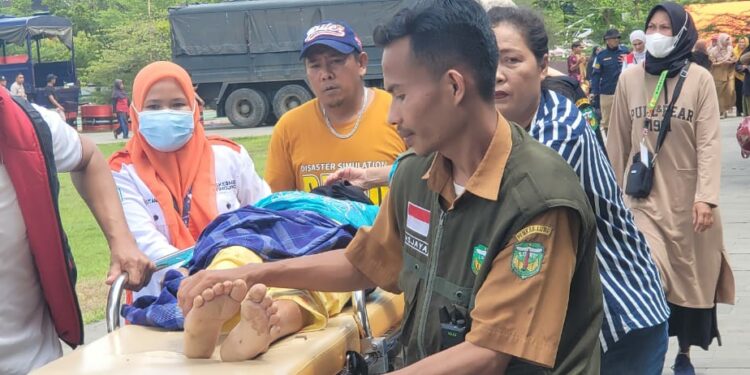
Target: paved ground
{"points": [[733, 358]]}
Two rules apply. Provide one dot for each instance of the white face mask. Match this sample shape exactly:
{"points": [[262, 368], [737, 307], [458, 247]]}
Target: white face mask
{"points": [[660, 45]]}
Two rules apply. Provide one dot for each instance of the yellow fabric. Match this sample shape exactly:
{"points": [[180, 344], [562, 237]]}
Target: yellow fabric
{"points": [[303, 152], [318, 306]]}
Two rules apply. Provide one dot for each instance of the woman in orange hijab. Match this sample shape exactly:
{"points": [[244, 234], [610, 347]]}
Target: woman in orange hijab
{"points": [[172, 178]]}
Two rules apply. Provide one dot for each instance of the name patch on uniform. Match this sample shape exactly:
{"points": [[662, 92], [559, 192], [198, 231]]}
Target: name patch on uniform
{"points": [[533, 229], [527, 259], [417, 228]]}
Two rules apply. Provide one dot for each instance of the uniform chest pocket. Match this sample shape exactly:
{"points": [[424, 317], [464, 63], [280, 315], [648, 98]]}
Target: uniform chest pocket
{"points": [[411, 277], [410, 288]]}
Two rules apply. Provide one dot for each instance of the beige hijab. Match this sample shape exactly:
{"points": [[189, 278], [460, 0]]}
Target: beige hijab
{"points": [[722, 52]]}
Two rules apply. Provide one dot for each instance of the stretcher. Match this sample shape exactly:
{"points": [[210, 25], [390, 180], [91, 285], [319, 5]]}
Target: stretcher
{"points": [[361, 339]]}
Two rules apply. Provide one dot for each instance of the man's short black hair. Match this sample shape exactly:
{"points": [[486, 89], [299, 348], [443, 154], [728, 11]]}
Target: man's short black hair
{"points": [[446, 34], [575, 45]]}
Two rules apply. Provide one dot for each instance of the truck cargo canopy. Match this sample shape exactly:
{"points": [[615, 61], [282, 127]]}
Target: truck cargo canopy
{"points": [[262, 26], [16, 29]]}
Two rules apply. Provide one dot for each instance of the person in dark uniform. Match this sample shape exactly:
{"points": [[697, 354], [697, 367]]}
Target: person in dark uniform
{"points": [[606, 72], [487, 232], [49, 97]]}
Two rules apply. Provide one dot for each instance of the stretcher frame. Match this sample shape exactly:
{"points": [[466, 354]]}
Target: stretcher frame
{"points": [[365, 352]]}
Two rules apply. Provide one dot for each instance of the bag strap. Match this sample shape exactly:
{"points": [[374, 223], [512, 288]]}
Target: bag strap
{"points": [[666, 123]]}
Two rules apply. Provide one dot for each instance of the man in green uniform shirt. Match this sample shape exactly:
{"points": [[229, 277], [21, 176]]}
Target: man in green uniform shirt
{"points": [[482, 224]]}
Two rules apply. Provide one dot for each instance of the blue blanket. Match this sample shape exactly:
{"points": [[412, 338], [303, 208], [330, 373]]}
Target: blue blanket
{"points": [[273, 235], [161, 311]]}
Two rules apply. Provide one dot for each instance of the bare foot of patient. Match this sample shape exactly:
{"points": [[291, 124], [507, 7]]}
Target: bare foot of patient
{"points": [[254, 333], [210, 310]]}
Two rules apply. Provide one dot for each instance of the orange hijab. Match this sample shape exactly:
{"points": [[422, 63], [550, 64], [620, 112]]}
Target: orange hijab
{"points": [[170, 175]]}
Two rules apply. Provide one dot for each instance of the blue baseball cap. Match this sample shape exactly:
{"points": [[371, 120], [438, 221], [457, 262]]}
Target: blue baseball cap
{"points": [[335, 34]]}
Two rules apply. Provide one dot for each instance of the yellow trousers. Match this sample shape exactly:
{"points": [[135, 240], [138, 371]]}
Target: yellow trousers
{"points": [[316, 307]]}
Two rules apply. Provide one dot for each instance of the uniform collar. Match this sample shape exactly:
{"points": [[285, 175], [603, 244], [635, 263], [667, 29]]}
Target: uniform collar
{"points": [[486, 180]]}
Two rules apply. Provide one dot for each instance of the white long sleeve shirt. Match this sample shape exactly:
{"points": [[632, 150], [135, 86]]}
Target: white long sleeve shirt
{"points": [[237, 185]]}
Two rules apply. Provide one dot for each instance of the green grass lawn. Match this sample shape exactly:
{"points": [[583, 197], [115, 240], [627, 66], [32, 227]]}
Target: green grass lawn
{"points": [[89, 247]]}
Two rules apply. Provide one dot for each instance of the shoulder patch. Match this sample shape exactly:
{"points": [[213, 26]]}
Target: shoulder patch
{"points": [[533, 229], [527, 258]]}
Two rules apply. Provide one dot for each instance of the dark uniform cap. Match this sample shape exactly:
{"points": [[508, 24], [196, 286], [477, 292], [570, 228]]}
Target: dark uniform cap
{"points": [[612, 34], [335, 34]]}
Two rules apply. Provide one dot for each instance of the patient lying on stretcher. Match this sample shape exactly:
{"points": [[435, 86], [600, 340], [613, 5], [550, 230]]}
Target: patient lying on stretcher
{"points": [[254, 316], [265, 315]]}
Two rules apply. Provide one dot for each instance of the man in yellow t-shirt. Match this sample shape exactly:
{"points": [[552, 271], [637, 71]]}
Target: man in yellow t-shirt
{"points": [[344, 126]]}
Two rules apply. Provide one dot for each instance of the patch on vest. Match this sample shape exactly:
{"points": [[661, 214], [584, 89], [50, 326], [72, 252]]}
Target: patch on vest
{"points": [[417, 228], [527, 259], [477, 259], [533, 229]]}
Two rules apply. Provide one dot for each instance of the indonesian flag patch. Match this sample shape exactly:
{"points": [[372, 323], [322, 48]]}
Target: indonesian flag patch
{"points": [[417, 228]]}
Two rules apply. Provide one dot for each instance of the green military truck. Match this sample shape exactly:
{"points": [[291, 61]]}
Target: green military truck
{"points": [[244, 55]]}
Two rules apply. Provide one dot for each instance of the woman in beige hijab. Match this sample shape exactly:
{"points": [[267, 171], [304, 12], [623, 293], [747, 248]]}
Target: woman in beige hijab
{"points": [[722, 57]]}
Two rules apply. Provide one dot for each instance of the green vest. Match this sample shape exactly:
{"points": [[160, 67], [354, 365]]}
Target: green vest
{"points": [[437, 259]]}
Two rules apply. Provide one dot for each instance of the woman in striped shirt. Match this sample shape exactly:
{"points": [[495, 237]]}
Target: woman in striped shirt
{"points": [[634, 333]]}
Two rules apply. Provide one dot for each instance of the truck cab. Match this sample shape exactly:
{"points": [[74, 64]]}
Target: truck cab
{"points": [[244, 55], [25, 50]]}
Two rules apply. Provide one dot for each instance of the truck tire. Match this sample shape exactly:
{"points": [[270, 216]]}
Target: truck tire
{"points": [[246, 108], [289, 97]]}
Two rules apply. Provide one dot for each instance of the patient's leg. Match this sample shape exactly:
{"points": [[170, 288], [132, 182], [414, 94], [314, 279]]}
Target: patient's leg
{"points": [[262, 322], [210, 310]]}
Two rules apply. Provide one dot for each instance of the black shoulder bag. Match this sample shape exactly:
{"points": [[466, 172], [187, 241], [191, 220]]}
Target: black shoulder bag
{"points": [[640, 179]]}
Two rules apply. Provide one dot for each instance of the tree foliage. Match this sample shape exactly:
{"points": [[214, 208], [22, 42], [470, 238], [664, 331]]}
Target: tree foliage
{"points": [[567, 17], [113, 38], [116, 38]]}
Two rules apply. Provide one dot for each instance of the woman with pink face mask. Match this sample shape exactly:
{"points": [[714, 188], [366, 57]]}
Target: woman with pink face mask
{"points": [[679, 215]]}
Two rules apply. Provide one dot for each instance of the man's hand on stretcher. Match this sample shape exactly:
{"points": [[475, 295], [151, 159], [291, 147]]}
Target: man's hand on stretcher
{"points": [[362, 178], [329, 272], [128, 258], [92, 179]]}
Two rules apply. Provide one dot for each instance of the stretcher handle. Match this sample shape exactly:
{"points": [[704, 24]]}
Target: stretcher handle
{"points": [[113, 302], [118, 286], [360, 312]]}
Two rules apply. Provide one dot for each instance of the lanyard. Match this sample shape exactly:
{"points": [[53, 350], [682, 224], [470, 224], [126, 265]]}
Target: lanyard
{"points": [[185, 206], [657, 92]]}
